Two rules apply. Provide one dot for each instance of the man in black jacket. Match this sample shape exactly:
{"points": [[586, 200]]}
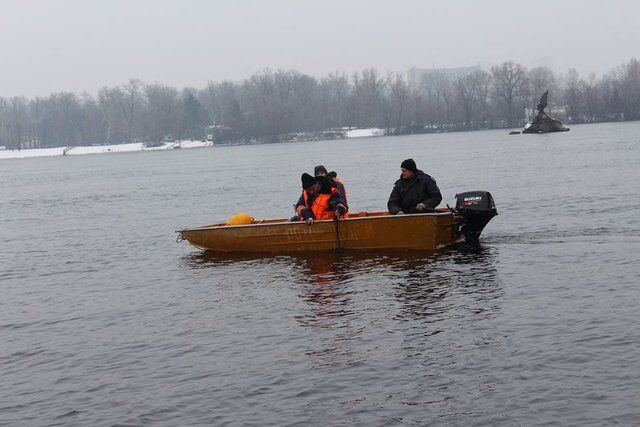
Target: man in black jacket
{"points": [[414, 192]]}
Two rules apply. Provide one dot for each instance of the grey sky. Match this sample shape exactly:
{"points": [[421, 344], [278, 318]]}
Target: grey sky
{"points": [[77, 45]]}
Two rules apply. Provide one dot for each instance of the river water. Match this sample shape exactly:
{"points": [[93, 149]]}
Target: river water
{"points": [[105, 320]]}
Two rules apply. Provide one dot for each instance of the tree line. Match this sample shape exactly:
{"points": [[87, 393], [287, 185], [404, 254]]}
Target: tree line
{"points": [[272, 105]]}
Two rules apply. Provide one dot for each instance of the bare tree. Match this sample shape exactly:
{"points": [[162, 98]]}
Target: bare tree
{"points": [[36, 116], [194, 117], [18, 122], [472, 94], [110, 101], [573, 94], [231, 114], [399, 93], [129, 104], [630, 88], [162, 111], [367, 98], [438, 92], [209, 98], [304, 103], [416, 110], [510, 88], [334, 94]]}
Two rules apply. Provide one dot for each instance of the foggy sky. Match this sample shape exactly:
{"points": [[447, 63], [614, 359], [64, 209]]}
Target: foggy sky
{"points": [[81, 45]]}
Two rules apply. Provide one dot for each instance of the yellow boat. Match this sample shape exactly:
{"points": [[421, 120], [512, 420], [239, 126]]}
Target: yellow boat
{"points": [[361, 231]]}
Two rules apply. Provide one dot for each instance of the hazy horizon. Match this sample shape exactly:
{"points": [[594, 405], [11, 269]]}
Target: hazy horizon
{"points": [[82, 46]]}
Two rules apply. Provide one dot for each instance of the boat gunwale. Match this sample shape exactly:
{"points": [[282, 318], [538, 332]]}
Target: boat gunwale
{"points": [[222, 226]]}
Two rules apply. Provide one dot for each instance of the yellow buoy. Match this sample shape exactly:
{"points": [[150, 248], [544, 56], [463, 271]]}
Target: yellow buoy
{"points": [[240, 218]]}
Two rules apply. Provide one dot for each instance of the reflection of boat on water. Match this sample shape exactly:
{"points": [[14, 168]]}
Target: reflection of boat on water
{"points": [[331, 282], [361, 231], [340, 266], [344, 302]]}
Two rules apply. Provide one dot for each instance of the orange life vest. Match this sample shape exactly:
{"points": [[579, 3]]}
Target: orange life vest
{"points": [[320, 207]]}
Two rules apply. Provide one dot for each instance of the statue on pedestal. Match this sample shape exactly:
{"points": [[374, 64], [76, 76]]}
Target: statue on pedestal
{"points": [[542, 123]]}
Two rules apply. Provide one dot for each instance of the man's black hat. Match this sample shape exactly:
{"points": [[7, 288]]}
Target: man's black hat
{"points": [[307, 181], [409, 165]]}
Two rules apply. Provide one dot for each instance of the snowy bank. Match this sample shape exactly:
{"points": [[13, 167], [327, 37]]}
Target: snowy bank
{"points": [[99, 149], [138, 146], [361, 133]]}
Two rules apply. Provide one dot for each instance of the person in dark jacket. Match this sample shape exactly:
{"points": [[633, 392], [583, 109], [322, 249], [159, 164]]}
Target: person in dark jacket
{"points": [[414, 192], [320, 200]]}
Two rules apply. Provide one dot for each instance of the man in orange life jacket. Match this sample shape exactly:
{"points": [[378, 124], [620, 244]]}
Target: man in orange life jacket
{"points": [[321, 199], [332, 177], [320, 170]]}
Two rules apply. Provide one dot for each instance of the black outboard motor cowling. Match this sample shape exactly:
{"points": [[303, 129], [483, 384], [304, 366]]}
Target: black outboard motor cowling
{"points": [[477, 208]]}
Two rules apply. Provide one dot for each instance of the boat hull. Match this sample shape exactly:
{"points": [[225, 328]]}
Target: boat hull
{"points": [[363, 231]]}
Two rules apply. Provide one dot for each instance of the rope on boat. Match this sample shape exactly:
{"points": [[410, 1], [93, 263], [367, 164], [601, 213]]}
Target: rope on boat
{"points": [[180, 238], [337, 226]]}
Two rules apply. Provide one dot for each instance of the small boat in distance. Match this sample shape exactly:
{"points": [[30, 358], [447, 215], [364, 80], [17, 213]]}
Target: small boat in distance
{"points": [[360, 231]]}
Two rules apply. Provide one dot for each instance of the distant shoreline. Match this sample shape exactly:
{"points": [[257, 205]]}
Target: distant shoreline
{"points": [[289, 138], [139, 146]]}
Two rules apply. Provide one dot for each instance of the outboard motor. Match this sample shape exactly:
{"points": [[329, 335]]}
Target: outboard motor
{"points": [[476, 208]]}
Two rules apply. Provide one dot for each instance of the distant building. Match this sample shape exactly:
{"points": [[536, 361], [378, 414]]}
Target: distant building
{"points": [[2, 147], [415, 75]]}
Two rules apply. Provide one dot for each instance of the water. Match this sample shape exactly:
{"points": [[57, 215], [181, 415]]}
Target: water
{"points": [[105, 320]]}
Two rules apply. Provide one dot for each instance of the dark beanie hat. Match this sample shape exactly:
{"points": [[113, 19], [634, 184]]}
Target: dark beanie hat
{"points": [[307, 180], [409, 165], [319, 168]]}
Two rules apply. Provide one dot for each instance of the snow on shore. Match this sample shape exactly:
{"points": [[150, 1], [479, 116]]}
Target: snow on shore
{"points": [[98, 149], [38, 152], [361, 133], [138, 146]]}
